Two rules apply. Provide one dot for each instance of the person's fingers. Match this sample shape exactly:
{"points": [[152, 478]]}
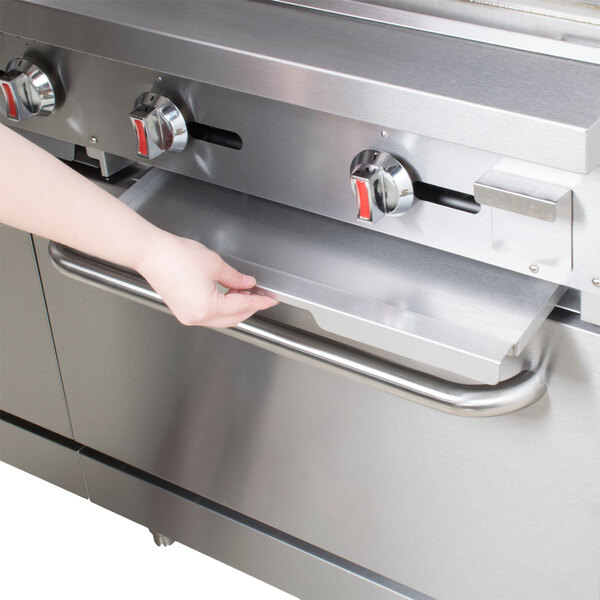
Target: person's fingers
{"points": [[233, 304], [229, 277], [222, 319]]}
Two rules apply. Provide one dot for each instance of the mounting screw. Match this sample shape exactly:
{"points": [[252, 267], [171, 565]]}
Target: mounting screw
{"points": [[534, 268], [596, 281], [93, 139], [159, 78], [384, 133]]}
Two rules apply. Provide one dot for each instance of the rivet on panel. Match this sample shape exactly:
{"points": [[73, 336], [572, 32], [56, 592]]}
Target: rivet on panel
{"points": [[534, 268]]}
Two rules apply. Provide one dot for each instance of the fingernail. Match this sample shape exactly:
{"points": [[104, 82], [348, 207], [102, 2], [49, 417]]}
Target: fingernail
{"points": [[248, 280]]}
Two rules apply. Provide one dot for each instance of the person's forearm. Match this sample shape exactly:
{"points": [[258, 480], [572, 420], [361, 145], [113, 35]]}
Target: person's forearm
{"points": [[63, 206], [42, 195]]}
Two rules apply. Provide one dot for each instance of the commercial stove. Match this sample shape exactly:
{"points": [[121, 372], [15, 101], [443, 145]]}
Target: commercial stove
{"points": [[418, 184]]}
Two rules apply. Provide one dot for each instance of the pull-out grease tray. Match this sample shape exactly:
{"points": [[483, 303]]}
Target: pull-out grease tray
{"points": [[437, 308]]}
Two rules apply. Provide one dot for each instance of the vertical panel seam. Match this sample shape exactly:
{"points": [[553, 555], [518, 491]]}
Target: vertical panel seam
{"points": [[60, 377]]}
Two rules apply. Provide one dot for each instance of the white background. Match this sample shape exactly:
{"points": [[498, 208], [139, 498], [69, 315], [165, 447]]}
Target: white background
{"points": [[58, 545]]}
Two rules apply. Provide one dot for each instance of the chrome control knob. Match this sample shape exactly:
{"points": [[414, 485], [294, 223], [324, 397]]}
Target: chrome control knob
{"points": [[381, 184], [27, 90], [159, 126]]}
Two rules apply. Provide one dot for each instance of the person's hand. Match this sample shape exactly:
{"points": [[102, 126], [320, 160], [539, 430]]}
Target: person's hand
{"points": [[184, 273]]}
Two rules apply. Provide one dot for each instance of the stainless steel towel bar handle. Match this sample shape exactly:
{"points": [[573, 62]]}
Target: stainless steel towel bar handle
{"points": [[506, 397]]}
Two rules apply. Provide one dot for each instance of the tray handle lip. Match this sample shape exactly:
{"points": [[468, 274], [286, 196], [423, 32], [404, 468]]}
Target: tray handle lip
{"points": [[480, 400]]}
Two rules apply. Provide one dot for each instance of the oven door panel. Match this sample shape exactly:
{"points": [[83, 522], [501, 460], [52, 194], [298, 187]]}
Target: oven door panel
{"points": [[505, 507]]}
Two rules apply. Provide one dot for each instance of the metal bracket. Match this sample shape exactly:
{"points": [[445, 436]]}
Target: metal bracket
{"points": [[520, 195], [109, 163], [590, 307]]}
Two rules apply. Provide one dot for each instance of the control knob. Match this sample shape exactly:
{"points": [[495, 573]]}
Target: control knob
{"points": [[27, 90], [381, 184], [159, 126]]}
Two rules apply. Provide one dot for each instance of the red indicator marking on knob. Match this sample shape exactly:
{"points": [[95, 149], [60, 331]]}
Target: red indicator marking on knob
{"points": [[141, 137], [364, 206], [10, 99]]}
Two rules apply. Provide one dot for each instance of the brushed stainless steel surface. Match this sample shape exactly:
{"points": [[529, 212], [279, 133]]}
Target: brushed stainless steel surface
{"points": [[286, 138], [460, 509], [27, 91], [281, 564], [109, 163], [571, 302], [590, 307], [543, 17], [503, 398], [586, 12], [520, 195], [41, 457], [451, 89], [30, 385], [534, 33], [385, 183], [406, 492]]}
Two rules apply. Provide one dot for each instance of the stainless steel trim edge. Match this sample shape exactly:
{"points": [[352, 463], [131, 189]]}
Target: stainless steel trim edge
{"points": [[506, 397], [571, 47]]}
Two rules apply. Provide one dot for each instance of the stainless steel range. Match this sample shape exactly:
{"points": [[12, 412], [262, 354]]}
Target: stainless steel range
{"points": [[419, 187]]}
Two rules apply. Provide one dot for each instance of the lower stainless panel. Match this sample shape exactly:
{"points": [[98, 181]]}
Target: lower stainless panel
{"points": [[281, 564], [41, 457], [505, 508], [30, 384]]}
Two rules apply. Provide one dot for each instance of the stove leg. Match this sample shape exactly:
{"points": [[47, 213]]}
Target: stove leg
{"points": [[160, 539]]}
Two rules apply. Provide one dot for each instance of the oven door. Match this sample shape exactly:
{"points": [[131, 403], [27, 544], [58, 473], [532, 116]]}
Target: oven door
{"points": [[299, 420]]}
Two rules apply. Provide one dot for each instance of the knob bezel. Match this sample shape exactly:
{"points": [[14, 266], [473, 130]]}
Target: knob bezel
{"points": [[163, 125], [32, 91], [390, 189]]}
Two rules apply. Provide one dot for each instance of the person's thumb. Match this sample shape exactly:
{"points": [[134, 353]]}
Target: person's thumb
{"points": [[228, 277]]}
